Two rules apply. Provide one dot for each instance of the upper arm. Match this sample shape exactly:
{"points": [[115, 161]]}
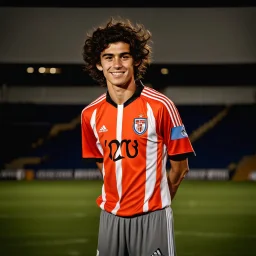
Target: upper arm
{"points": [[179, 168], [179, 165], [173, 131]]}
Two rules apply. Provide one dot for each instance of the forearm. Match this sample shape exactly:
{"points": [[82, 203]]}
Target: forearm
{"points": [[100, 166], [175, 178]]}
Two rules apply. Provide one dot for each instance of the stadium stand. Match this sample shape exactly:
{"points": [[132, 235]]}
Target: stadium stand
{"points": [[48, 136]]}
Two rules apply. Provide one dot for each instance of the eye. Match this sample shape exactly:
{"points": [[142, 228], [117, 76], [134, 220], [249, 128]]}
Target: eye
{"points": [[126, 57]]}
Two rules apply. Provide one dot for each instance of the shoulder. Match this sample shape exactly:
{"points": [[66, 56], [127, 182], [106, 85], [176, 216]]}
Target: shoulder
{"points": [[157, 98], [162, 105], [88, 110]]}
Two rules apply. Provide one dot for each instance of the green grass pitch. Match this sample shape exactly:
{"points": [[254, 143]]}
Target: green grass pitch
{"points": [[60, 218]]}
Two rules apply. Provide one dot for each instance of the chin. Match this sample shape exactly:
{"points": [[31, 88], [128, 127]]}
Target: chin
{"points": [[120, 84]]}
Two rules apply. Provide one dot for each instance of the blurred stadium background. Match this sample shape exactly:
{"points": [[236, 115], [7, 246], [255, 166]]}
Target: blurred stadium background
{"points": [[204, 60]]}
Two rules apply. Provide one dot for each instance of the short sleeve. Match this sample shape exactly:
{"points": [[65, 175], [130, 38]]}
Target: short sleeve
{"points": [[89, 140], [174, 133]]}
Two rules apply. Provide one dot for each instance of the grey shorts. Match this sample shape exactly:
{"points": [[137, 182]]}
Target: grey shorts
{"points": [[144, 235]]}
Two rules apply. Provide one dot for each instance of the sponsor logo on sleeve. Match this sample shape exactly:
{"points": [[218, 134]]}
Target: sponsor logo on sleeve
{"points": [[178, 132]]}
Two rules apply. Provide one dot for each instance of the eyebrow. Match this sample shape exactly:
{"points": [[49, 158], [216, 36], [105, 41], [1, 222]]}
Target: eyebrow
{"points": [[111, 54]]}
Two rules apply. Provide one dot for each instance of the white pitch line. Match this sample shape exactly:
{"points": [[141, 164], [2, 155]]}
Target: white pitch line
{"points": [[49, 242], [214, 235], [40, 234]]}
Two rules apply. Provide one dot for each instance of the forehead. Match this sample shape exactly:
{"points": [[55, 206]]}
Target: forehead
{"points": [[115, 48]]}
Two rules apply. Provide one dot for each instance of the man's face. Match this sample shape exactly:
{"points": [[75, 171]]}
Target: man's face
{"points": [[117, 64]]}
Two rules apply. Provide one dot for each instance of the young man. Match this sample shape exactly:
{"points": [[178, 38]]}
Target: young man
{"points": [[131, 131]]}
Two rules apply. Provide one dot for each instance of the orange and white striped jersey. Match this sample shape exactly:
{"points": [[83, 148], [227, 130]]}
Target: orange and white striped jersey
{"points": [[134, 140]]}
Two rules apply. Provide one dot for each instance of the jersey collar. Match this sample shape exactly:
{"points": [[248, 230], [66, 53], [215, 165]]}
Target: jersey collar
{"points": [[136, 94]]}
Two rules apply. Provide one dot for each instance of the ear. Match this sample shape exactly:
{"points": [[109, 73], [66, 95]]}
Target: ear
{"points": [[99, 67]]}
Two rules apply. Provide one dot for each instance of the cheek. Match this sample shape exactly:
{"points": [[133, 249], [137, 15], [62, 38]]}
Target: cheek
{"points": [[105, 72], [131, 69], [106, 67]]}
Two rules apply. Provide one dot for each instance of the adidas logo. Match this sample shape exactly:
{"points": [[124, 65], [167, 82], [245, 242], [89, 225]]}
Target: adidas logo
{"points": [[157, 252], [103, 129]]}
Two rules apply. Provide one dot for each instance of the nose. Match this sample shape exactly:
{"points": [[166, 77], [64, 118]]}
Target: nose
{"points": [[117, 62]]}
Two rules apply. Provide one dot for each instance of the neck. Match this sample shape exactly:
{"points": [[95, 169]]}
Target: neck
{"points": [[121, 94]]}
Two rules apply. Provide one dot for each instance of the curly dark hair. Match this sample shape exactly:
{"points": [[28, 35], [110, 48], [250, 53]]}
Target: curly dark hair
{"points": [[117, 30]]}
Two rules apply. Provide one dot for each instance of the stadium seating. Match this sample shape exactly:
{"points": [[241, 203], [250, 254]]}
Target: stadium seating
{"points": [[51, 133]]}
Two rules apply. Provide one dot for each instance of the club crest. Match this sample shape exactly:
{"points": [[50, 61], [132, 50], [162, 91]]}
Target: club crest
{"points": [[140, 125]]}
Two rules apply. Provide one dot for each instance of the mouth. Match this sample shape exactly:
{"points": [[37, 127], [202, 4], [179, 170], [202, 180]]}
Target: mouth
{"points": [[117, 74]]}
